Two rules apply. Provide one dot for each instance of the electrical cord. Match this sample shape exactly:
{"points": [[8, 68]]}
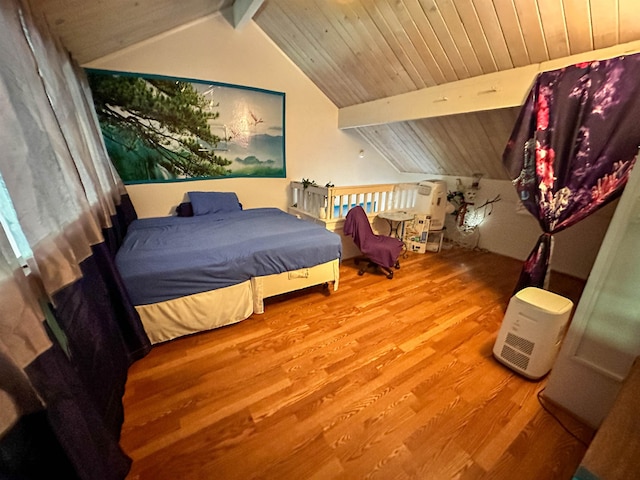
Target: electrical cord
{"points": [[566, 429]]}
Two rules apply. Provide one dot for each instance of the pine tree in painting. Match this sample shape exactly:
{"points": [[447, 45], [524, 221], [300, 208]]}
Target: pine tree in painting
{"points": [[156, 129]]}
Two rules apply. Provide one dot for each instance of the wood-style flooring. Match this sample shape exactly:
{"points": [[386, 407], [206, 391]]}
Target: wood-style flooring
{"points": [[383, 379]]}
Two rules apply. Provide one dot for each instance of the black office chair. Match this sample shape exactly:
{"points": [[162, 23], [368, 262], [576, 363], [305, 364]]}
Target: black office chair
{"points": [[379, 251]]}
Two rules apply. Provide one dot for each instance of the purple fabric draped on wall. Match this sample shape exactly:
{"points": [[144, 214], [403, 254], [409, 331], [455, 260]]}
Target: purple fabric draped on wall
{"points": [[573, 147]]}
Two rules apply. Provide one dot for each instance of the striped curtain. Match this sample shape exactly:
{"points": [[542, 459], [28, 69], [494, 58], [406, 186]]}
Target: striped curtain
{"points": [[69, 331]]}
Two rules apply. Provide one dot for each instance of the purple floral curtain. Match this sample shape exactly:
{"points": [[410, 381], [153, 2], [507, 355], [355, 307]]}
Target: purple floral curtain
{"points": [[573, 147]]}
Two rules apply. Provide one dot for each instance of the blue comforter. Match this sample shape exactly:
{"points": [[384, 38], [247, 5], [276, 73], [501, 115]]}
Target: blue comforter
{"points": [[169, 257]]}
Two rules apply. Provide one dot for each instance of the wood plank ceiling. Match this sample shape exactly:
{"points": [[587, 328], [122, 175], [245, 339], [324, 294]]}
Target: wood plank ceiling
{"points": [[358, 51]]}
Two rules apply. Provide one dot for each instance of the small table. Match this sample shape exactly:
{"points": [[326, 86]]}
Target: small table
{"points": [[399, 217]]}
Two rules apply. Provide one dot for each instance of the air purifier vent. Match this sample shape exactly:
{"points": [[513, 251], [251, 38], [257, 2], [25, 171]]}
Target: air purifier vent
{"points": [[515, 358], [522, 344], [534, 320]]}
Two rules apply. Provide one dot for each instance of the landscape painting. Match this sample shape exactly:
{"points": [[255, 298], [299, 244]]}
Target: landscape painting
{"points": [[165, 129]]}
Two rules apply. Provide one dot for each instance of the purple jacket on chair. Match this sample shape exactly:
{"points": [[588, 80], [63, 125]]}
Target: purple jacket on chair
{"points": [[379, 249]]}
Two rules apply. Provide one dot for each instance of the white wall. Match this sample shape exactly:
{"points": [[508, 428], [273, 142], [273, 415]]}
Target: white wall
{"points": [[210, 49], [604, 337], [513, 234]]}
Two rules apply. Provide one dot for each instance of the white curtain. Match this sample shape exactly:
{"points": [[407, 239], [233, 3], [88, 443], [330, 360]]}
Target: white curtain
{"points": [[22, 338], [53, 161]]}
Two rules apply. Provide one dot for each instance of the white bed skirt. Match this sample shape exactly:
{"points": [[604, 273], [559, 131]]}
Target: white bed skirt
{"points": [[195, 313], [271, 285], [224, 306]]}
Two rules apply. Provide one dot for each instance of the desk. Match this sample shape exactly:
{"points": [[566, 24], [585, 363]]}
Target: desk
{"points": [[399, 217]]}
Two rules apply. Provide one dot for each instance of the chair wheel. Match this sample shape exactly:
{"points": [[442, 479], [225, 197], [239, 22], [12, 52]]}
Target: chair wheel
{"points": [[360, 272], [397, 265], [390, 275]]}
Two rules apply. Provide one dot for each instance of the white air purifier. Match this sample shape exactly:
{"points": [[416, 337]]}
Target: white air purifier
{"points": [[532, 331], [431, 200]]}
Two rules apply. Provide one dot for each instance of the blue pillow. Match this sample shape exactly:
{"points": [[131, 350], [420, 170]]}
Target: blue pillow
{"points": [[206, 203]]}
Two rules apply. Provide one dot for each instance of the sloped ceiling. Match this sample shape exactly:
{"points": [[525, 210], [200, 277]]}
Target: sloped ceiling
{"points": [[359, 51], [91, 29]]}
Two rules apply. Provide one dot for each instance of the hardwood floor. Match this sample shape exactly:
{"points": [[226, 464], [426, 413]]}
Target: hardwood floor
{"points": [[387, 379]]}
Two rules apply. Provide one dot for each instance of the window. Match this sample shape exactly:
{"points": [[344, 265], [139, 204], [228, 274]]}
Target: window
{"points": [[11, 226]]}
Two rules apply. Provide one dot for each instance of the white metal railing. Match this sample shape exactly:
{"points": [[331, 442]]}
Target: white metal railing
{"points": [[333, 203]]}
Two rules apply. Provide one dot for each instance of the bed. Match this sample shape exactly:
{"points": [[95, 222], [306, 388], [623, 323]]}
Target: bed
{"points": [[186, 274]]}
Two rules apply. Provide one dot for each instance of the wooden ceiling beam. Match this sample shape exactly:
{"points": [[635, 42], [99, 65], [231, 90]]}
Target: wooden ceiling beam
{"points": [[507, 88], [243, 11]]}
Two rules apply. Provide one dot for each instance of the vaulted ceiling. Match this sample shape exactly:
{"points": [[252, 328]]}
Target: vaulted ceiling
{"points": [[402, 72]]}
